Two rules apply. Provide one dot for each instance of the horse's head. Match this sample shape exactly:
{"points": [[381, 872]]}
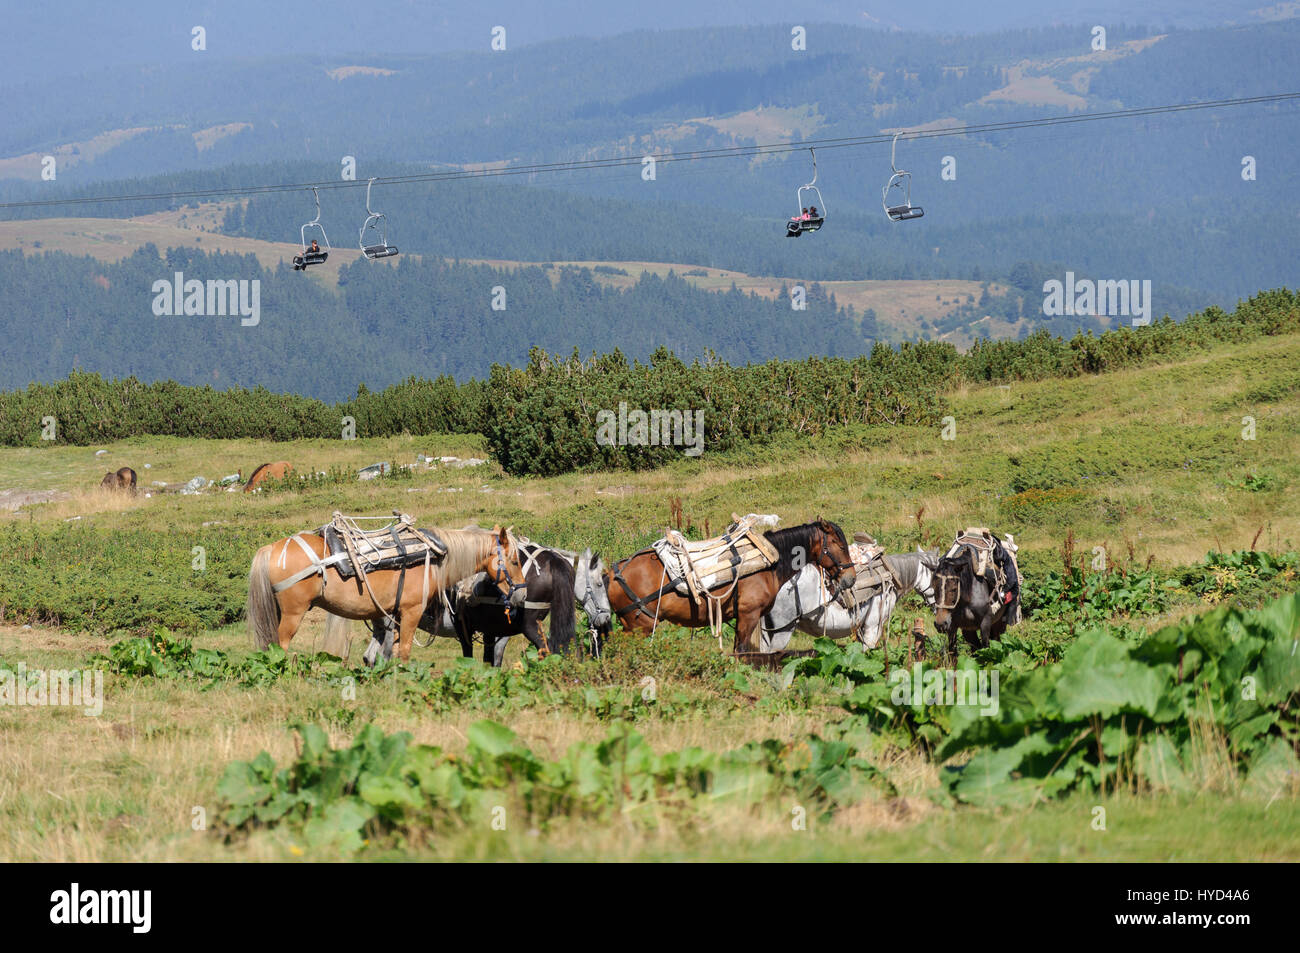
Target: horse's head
{"points": [[958, 588], [589, 589], [927, 562], [830, 551], [503, 568]]}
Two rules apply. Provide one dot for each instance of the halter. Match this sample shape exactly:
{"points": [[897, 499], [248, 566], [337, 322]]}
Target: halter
{"points": [[839, 566], [947, 590], [502, 575]]}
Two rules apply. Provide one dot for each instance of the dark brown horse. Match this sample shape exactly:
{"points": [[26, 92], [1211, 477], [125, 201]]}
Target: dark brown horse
{"points": [[641, 595], [288, 577], [268, 471], [123, 479], [965, 603]]}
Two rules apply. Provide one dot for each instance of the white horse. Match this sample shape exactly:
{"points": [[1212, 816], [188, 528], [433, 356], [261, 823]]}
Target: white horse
{"points": [[804, 603]]}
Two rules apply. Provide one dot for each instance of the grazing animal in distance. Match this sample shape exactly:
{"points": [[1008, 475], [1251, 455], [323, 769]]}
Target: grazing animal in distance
{"points": [[123, 479], [268, 471]]}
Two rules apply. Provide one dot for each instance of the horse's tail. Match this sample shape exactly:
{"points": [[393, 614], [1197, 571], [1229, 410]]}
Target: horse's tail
{"points": [[563, 627], [263, 609], [336, 639]]}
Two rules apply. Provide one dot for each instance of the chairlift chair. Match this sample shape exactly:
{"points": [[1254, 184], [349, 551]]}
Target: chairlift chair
{"points": [[798, 225], [308, 257], [376, 229], [901, 182]]}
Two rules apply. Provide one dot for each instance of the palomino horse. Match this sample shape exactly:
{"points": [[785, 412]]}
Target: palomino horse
{"points": [[642, 595], [268, 471], [804, 603], [402, 593]]}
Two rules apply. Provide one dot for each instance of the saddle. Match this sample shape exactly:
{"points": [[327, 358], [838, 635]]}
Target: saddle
{"points": [[698, 567], [986, 547], [873, 569], [397, 546]]}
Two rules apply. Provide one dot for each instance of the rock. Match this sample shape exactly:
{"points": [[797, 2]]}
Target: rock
{"points": [[100, 453], [230, 479], [374, 470], [194, 486]]}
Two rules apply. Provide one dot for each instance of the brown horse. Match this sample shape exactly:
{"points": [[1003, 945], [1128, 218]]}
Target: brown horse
{"points": [[276, 603], [641, 595], [268, 471], [123, 479]]}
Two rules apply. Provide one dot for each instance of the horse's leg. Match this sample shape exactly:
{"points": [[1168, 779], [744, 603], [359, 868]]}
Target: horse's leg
{"points": [[532, 626], [409, 621], [377, 642], [290, 616], [499, 651], [748, 618]]}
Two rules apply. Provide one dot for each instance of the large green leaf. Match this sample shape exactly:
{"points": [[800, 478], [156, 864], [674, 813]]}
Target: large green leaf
{"points": [[1158, 764], [1273, 771], [492, 738], [1099, 677]]}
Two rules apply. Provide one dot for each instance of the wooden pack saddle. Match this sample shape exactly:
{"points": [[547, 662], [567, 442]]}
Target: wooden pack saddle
{"points": [[872, 568], [399, 545], [696, 567]]}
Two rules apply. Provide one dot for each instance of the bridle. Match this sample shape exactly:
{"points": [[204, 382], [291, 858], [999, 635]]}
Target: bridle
{"points": [[838, 586], [505, 585]]}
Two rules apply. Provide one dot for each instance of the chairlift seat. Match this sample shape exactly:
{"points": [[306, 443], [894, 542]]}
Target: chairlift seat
{"points": [[904, 213], [306, 259], [379, 251]]}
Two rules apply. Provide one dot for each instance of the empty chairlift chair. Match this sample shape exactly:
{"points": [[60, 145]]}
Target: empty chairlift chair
{"points": [[896, 196], [374, 233], [308, 256]]}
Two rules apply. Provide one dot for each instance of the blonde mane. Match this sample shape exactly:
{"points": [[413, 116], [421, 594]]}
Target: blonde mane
{"points": [[466, 549]]}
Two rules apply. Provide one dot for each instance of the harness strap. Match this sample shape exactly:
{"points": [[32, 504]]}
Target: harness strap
{"points": [[318, 565], [640, 602]]}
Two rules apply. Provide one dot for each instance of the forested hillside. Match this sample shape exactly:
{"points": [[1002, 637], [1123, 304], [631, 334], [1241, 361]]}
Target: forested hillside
{"points": [[423, 318]]}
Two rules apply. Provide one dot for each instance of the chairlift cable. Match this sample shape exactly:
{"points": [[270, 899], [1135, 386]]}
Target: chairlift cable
{"points": [[692, 156]]}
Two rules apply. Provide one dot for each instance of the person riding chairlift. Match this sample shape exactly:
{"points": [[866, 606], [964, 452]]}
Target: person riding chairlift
{"points": [[315, 248], [811, 212]]}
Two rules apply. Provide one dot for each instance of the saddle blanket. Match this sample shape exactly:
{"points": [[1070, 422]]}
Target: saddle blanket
{"points": [[697, 567], [397, 546]]}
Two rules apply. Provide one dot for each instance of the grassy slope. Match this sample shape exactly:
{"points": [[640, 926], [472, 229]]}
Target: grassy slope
{"points": [[1161, 447]]}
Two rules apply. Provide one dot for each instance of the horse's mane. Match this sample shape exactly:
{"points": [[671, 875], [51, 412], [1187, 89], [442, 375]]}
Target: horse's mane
{"points": [[788, 540], [465, 550], [961, 564], [253, 476]]}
